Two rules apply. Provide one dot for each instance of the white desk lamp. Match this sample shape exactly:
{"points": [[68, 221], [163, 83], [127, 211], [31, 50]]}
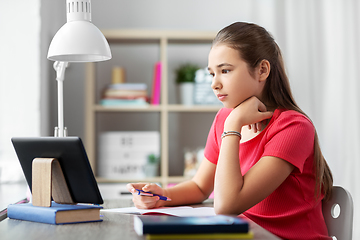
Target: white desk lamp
{"points": [[77, 41]]}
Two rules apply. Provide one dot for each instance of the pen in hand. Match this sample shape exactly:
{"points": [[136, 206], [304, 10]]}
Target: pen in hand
{"points": [[143, 193]]}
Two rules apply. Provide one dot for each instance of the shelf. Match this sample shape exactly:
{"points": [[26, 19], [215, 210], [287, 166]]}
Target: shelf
{"points": [[193, 108], [150, 108], [158, 108], [169, 179], [167, 115], [107, 180], [177, 179], [146, 35]]}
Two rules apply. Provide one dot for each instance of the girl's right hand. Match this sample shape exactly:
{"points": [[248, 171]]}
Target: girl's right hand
{"points": [[146, 202], [250, 112]]}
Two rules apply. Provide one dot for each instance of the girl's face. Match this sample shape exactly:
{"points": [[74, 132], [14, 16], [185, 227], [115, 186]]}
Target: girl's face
{"points": [[232, 82]]}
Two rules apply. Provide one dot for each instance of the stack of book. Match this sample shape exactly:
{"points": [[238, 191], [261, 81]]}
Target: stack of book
{"points": [[120, 94]]}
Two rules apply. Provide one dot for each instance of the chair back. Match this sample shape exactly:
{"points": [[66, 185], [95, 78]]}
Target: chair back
{"points": [[338, 214]]}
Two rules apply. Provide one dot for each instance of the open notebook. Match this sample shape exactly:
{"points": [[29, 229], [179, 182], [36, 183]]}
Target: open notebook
{"points": [[183, 211]]}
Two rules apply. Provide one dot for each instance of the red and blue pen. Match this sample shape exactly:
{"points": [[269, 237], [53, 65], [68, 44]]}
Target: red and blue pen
{"points": [[149, 194]]}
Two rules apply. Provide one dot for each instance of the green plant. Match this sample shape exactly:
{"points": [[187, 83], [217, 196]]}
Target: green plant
{"points": [[186, 73], [152, 159]]}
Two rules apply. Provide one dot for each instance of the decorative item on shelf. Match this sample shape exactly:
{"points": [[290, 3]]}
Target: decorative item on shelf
{"points": [[124, 154], [120, 93], [155, 95], [203, 92], [185, 78], [192, 160], [118, 75], [151, 168]]}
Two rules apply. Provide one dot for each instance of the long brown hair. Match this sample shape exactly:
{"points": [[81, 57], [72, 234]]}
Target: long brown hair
{"points": [[255, 44]]}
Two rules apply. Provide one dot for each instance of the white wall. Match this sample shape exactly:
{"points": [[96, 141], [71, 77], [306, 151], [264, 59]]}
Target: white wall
{"points": [[19, 79]]}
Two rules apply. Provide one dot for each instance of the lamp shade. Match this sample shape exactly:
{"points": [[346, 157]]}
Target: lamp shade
{"points": [[79, 40]]}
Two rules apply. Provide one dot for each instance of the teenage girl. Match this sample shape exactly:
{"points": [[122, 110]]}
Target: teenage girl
{"points": [[262, 155]]}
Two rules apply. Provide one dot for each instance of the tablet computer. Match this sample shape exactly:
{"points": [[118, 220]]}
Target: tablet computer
{"points": [[71, 154]]}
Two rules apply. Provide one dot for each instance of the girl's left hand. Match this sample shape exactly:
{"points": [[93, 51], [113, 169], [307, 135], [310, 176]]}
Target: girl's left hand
{"points": [[250, 112]]}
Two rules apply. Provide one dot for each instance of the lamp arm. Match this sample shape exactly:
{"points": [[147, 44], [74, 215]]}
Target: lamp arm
{"points": [[60, 70], [60, 130]]}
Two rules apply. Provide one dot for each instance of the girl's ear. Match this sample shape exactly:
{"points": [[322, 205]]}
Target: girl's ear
{"points": [[264, 70]]}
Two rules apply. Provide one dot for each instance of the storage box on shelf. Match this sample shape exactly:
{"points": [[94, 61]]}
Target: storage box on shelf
{"points": [[93, 109]]}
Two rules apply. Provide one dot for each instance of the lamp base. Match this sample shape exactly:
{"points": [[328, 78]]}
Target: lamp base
{"points": [[57, 132]]}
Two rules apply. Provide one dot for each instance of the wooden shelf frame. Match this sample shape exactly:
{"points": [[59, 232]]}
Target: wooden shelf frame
{"points": [[163, 38]]}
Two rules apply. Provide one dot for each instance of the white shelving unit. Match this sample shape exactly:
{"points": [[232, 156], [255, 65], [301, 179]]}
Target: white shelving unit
{"points": [[93, 109]]}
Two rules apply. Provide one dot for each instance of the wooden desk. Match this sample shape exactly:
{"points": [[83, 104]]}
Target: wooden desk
{"points": [[114, 226]]}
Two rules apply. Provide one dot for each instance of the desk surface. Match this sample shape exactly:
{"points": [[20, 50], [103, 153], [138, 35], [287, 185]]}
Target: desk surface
{"points": [[11, 193], [114, 226]]}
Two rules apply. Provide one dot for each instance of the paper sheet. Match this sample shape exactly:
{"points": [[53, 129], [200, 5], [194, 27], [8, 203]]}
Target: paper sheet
{"points": [[183, 211]]}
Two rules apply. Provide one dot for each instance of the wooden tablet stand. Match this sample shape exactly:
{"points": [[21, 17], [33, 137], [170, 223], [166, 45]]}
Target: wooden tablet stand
{"points": [[48, 182]]}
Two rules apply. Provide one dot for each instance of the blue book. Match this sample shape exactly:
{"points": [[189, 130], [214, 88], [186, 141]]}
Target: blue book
{"points": [[124, 102], [156, 224], [56, 214]]}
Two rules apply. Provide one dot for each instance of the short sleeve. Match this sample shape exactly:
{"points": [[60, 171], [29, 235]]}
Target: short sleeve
{"points": [[212, 147], [291, 138]]}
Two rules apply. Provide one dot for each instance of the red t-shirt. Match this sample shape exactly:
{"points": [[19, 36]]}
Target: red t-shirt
{"points": [[291, 211]]}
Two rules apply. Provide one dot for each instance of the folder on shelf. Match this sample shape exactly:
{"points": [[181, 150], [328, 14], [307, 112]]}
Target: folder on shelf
{"points": [[155, 97]]}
